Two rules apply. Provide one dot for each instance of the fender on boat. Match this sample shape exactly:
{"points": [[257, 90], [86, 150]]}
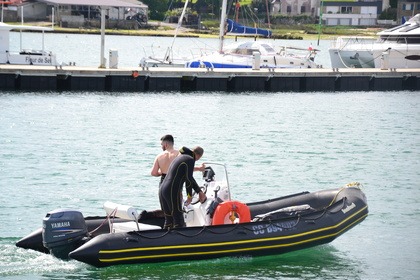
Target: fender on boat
{"points": [[231, 208]]}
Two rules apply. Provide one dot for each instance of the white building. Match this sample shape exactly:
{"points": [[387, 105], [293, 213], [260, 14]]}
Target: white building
{"points": [[351, 12], [334, 12]]}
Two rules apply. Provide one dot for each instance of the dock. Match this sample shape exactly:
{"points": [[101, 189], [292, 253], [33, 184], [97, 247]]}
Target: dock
{"points": [[158, 79]]}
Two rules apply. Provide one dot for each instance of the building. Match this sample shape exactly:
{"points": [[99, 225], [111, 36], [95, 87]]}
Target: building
{"points": [[294, 7], [80, 13], [351, 12], [11, 11], [407, 9], [334, 12]]}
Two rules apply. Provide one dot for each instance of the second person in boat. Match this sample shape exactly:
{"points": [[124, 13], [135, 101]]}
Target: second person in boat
{"points": [[180, 172]]}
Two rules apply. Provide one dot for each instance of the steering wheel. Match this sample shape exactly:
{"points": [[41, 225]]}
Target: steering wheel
{"points": [[195, 198]]}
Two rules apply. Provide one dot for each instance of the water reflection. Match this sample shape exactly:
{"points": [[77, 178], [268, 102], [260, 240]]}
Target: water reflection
{"points": [[323, 262]]}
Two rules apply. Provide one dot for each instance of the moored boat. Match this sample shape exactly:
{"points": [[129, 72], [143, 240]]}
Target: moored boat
{"points": [[24, 56], [352, 52], [248, 54], [397, 47], [251, 54], [219, 227]]}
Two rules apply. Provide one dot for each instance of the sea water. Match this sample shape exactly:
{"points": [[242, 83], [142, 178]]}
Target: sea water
{"points": [[77, 150], [81, 149]]}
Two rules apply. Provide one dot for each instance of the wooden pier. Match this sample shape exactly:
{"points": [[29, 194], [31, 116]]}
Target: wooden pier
{"points": [[158, 79]]}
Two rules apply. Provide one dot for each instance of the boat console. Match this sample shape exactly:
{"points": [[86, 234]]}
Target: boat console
{"points": [[215, 185]]}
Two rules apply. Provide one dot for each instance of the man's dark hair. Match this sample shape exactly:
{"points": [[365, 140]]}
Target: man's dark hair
{"points": [[198, 151], [167, 138]]}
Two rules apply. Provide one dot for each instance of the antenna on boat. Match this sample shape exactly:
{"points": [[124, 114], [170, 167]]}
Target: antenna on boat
{"points": [[320, 21], [21, 20], [2, 8], [52, 17]]}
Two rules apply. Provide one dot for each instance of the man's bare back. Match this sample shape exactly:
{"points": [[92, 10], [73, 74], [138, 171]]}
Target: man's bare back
{"points": [[163, 160]]}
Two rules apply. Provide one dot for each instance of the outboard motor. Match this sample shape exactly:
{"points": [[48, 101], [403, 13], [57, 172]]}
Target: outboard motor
{"points": [[208, 174], [63, 231]]}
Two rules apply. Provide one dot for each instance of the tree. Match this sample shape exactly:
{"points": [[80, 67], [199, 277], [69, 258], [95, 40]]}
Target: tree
{"points": [[157, 8]]}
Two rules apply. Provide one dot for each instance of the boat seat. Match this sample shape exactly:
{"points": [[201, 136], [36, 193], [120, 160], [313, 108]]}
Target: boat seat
{"points": [[121, 211], [126, 212], [132, 226]]}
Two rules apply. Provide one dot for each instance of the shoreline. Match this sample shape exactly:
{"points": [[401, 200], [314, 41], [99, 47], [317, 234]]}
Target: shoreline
{"points": [[158, 30]]}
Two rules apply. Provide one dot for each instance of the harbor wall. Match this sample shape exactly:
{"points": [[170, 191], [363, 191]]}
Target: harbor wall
{"points": [[71, 78]]}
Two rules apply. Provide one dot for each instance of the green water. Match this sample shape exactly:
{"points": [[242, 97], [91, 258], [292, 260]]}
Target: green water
{"points": [[80, 150]]}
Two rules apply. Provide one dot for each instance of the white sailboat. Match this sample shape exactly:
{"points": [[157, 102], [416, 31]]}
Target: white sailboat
{"points": [[168, 60], [251, 54]]}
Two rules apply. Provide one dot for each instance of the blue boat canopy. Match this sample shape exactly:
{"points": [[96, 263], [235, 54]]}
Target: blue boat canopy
{"points": [[238, 29]]}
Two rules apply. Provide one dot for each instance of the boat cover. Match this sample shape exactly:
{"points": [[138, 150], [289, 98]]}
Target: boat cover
{"points": [[238, 29]]}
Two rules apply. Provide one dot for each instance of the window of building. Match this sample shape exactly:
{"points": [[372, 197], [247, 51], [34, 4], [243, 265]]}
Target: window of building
{"points": [[289, 9], [346, 10], [407, 7], [302, 9]]}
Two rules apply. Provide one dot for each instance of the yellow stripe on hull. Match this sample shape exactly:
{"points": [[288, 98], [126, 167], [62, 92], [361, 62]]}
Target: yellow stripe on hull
{"points": [[231, 243]]}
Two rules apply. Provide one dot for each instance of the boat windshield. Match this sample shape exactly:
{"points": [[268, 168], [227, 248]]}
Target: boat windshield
{"points": [[241, 51], [248, 49], [268, 48], [400, 39]]}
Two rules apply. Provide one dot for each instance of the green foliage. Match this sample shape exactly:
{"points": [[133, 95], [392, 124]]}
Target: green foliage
{"points": [[390, 13], [157, 8], [178, 12], [393, 3], [292, 20], [211, 24], [245, 2]]}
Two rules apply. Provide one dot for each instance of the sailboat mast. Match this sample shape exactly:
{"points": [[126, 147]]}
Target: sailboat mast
{"points": [[222, 25], [268, 14], [169, 51], [180, 22]]}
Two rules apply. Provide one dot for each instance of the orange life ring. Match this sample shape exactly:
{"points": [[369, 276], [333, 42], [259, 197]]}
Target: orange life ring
{"points": [[135, 74], [232, 208]]}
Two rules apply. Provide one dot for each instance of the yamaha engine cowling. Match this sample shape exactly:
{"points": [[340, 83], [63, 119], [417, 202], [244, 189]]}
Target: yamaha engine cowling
{"points": [[63, 231]]}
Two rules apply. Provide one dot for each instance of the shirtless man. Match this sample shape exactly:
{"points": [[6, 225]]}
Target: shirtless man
{"points": [[164, 159], [170, 191]]}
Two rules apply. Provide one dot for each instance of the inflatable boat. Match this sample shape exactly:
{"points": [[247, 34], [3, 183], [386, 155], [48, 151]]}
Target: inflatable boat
{"points": [[220, 227]]}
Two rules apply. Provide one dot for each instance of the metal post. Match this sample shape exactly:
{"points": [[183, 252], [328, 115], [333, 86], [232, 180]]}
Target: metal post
{"points": [[102, 60]]}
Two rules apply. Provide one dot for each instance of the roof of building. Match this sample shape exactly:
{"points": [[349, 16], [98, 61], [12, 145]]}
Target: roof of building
{"points": [[106, 3]]}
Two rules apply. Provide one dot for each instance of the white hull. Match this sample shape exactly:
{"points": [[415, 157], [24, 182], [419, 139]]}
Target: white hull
{"points": [[218, 60], [352, 52], [244, 55], [398, 47], [154, 62], [40, 58], [374, 57], [395, 56]]}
